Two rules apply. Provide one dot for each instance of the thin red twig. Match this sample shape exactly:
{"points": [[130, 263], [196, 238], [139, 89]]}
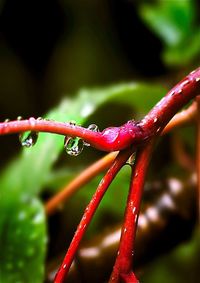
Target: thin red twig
{"points": [[89, 212], [198, 155], [186, 116], [182, 118], [124, 261], [79, 181]]}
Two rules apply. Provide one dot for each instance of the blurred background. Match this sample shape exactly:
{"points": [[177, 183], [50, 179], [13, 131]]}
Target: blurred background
{"points": [[51, 49]]}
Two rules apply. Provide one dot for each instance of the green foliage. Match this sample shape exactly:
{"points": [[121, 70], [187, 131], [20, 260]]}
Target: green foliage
{"points": [[23, 241], [175, 23], [22, 221]]}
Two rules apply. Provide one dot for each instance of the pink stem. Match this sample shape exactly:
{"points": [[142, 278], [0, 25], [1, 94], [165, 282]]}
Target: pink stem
{"points": [[118, 138], [89, 212], [124, 260], [198, 156], [171, 103]]}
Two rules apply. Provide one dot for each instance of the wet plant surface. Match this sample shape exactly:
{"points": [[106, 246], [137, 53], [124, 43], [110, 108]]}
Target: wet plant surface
{"points": [[44, 192]]}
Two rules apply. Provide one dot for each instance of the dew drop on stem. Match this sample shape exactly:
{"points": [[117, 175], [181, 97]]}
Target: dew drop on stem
{"points": [[131, 159], [93, 128], [73, 146], [28, 139]]}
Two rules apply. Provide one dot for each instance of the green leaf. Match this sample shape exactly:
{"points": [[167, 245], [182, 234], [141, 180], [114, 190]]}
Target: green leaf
{"points": [[175, 23], [26, 176], [22, 242]]}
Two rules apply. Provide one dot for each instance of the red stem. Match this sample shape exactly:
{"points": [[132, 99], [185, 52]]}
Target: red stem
{"points": [[170, 104], [124, 261], [80, 180], [118, 138], [89, 212], [198, 156]]}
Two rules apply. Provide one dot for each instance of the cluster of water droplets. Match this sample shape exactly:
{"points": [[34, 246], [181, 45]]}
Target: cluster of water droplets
{"points": [[74, 146]]}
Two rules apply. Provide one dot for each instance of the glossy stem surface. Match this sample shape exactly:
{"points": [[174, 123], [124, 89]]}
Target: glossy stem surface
{"points": [[198, 155], [89, 212], [84, 177], [124, 261], [131, 133], [171, 103]]}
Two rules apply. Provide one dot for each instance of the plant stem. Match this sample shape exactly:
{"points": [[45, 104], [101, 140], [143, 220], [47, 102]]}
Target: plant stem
{"points": [[89, 212], [186, 116], [169, 105], [131, 133], [79, 181], [198, 155], [124, 260], [182, 118]]}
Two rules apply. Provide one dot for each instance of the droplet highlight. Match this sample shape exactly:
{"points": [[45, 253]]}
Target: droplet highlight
{"points": [[93, 128], [131, 159], [73, 146], [28, 139]]}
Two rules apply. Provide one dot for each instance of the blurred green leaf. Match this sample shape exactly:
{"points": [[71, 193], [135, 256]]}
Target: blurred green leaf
{"points": [[175, 23], [25, 177], [179, 266], [22, 242]]}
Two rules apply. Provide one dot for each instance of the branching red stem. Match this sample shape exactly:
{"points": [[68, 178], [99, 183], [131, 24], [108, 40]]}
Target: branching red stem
{"points": [[89, 212], [131, 133], [184, 117], [124, 261]]}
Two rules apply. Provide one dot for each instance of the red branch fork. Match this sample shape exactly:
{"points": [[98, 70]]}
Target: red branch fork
{"points": [[134, 135]]}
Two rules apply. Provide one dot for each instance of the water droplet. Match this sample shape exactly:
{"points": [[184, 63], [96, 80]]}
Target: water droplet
{"points": [[73, 146], [32, 121], [38, 218], [21, 215], [19, 118], [39, 118], [72, 123], [197, 79], [131, 159], [6, 120], [28, 139], [158, 130], [93, 128]]}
